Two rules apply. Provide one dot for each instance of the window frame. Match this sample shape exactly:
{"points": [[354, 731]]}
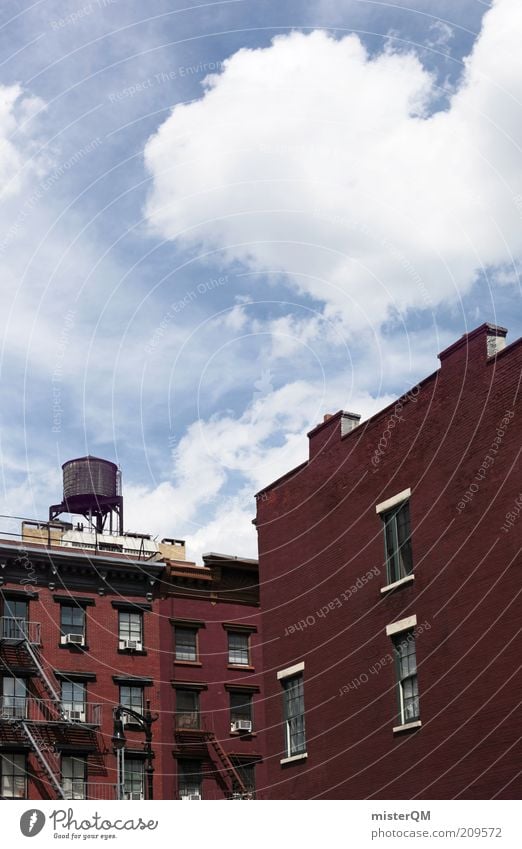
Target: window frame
{"points": [[248, 702], [398, 555], [131, 703], [11, 629], [130, 780], [14, 705], [195, 722], [190, 779], [76, 700], [401, 638], [72, 627], [287, 681], [18, 771], [127, 629], [78, 764], [188, 629], [231, 635]]}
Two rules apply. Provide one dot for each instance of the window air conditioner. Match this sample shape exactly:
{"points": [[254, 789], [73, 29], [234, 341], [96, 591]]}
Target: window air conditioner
{"points": [[241, 725], [193, 798], [73, 640], [74, 715], [134, 645]]}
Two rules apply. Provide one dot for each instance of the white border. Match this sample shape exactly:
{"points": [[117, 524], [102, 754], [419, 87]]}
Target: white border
{"points": [[408, 579], [290, 670], [391, 502], [401, 625]]}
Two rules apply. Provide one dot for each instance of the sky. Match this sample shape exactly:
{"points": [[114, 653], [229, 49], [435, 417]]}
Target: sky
{"points": [[222, 220]]}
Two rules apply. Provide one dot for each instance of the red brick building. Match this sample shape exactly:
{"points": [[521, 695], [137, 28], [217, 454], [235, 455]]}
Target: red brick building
{"points": [[125, 671], [78, 636], [390, 588], [211, 700]]}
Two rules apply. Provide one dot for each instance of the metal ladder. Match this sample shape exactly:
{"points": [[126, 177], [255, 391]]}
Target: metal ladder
{"points": [[48, 684], [46, 755], [227, 764]]}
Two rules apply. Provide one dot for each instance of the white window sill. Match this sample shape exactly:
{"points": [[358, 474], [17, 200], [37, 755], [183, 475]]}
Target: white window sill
{"points": [[408, 726], [293, 758], [408, 579]]}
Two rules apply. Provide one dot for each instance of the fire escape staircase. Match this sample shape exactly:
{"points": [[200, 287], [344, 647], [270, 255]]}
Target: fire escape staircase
{"points": [[239, 789], [50, 703]]}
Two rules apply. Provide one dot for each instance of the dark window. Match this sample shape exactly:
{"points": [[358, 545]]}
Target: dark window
{"points": [[134, 779], [72, 620], [13, 776], [130, 628], [186, 643], [294, 715], [74, 700], [407, 684], [14, 619], [13, 699], [189, 779], [240, 706], [247, 773], [238, 648], [131, 697], [187, 709], [74, 772], [397, 538]]}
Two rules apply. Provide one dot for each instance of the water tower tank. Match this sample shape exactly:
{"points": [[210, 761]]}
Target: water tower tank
{"points": [[87, 476]]}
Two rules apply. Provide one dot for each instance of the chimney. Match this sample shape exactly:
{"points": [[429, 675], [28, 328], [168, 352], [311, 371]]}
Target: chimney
{"points": [[473, 349], [331, 430], [495, 339]]}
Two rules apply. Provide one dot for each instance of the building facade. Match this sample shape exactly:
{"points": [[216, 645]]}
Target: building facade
{"points": [[211, 666], [390, 589]]}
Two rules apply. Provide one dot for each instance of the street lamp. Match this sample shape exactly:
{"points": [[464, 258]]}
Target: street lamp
{"points": [[119, 740]]}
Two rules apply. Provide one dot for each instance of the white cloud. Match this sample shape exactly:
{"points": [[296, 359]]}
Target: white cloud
{"points": [[312, 158]]}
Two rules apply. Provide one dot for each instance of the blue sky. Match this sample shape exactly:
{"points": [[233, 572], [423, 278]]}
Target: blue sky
{"points": [[223, 220]]}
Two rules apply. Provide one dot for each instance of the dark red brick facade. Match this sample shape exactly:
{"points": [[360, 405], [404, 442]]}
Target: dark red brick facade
{"points": [[454, 441]]}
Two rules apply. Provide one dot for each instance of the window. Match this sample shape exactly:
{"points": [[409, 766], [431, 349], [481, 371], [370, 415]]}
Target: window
{"points": [[13, 699], [14, 619], [247, 773], [130, 630], [407, 684], [72, 620], [186, 643], [74, 700], [13, 776], [293, 696], [238, 648], [131, 697], [397, 539], [74, 771], [189, 779], [240, 706], [134, 779], [187, 709]]}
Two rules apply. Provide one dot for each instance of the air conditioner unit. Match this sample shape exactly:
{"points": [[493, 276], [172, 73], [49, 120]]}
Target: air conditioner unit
{"points": [[193, 798], [74, 715], [73, 639], [133, 797], [241, 725], [133, 645]]}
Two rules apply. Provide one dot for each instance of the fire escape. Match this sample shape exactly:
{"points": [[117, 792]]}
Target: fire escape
{"points": [[192, 737], [39, 718]]}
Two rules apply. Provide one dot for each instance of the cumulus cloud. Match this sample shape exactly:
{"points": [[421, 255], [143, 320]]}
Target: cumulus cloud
{"points": [[312, 158]]}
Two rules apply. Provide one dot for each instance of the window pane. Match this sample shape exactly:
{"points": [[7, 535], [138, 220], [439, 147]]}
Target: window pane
{"points": [[238, 648], [13, 773], [132, 697], [240, 706], [399, 560], [15, 617], [130, 626], [73, 776], [187, 709], [72, 620], [248, 777], [134, 779], [186, 643], [189, 778], [294, 715], [13, 698], [407, 677]]}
